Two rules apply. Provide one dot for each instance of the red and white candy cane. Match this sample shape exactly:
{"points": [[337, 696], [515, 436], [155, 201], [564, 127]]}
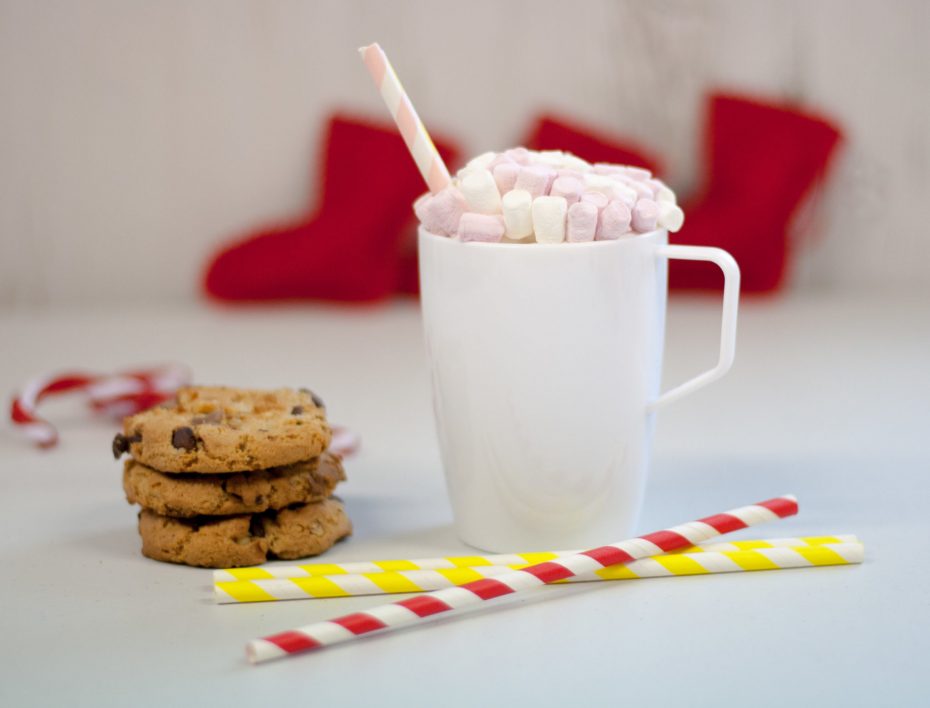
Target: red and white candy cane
{"points": [[115, 395], [415, 609]]}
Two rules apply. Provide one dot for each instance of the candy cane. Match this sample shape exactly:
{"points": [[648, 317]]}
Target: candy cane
{"points": [[114, 395]]}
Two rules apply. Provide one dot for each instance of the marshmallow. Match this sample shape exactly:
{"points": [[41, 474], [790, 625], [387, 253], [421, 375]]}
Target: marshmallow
{"points": [[535, 179], [643, 190], [575, 163], [624, 193], [553, 158], [671, 216], [614, 222], [568, 172], [518, 217], [549, 219], [482, 162], [640, 173], [519, 155], [505, 175], [645, 215], [440, 213], [581, 224], [480, 191], [596, 198], [663, 193], [598, 183], [606, 168], [480, 227], [567, 187]]}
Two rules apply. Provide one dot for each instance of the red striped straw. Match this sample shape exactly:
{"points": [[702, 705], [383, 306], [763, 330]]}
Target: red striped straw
{"points": [[419, 607], [432, 168]]}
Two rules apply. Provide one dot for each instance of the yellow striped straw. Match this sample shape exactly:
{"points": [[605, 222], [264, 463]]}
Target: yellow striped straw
{"points": [[270, 572], [384, 582]]}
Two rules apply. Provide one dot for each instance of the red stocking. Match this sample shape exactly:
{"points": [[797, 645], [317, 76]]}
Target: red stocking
{"points": [[349, 248], [761, 161]]}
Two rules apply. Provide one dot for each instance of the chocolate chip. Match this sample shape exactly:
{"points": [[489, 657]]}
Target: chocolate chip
{"points": [[297, 410], [256, 527], [317, 401], [121, 443], [213, 417], [184, 439]]}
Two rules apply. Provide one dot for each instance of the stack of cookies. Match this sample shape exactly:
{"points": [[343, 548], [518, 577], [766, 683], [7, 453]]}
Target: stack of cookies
{"points": [[231, 477]]}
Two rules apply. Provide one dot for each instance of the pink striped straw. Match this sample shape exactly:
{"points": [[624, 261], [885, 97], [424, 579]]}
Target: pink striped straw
{"points": [[419, 607], [434, 170]]}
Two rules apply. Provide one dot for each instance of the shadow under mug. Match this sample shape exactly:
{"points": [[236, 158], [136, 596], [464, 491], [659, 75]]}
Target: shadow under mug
{"points": [[546, 362]]}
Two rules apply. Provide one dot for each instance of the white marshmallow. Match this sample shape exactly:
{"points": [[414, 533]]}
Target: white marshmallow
{"points": [[505, 175], [663, 193], [481, 162], [624, 193], [518, 216], [552, 158], [573, 162], [549, 219], [598, 183], [671, 216], [645, 215], [581, 224], [480, 191]]}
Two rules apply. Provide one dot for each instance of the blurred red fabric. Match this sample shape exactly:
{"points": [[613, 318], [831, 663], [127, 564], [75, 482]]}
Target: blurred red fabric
{"points": [[347, 246]]}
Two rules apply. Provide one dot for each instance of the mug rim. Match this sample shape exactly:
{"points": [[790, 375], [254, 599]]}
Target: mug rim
{"points": [[537, 246]]}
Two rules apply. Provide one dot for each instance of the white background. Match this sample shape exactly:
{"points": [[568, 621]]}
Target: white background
{"points": [[136, 136]]}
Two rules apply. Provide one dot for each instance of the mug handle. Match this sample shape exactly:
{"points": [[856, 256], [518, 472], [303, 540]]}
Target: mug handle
{"points": [[731, 276]]}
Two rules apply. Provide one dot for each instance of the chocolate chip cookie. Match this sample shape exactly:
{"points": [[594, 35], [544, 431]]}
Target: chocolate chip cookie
{"points": [[219, 430], [231, 541], [186, 494]]}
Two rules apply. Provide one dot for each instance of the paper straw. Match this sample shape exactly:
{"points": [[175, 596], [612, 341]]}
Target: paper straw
{"points": [[414, 133], [386, 583], [420, 607], [270, 572]]}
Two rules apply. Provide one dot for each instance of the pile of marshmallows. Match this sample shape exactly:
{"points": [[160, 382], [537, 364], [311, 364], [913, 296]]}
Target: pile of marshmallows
{"points": [[547, 197]]}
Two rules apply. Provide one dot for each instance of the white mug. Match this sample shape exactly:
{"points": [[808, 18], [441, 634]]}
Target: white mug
{"points": [[546, 362]]}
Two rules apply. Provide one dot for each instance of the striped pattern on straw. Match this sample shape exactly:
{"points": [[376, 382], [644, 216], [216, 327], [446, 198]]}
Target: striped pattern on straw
{"points": [[421, 147], [269, 572], [672, 564], [419, 607]]}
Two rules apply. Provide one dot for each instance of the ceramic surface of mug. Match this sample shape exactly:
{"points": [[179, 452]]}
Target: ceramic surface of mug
{"points": [[546, 363]]}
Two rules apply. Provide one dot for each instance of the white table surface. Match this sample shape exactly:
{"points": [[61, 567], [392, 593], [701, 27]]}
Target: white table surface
{"points": [[829, 399]]}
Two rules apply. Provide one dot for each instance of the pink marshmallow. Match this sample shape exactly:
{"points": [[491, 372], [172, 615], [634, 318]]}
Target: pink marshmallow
{"points": [[614, 222], [567, 187], [642, 189], [582, 222], [505, 175], [501, 159], [487, 228], [520, 155], [606, 168], [535, 179], [440, 213], [596, 198], [638, 173], [567, 172], [645, 216]]}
